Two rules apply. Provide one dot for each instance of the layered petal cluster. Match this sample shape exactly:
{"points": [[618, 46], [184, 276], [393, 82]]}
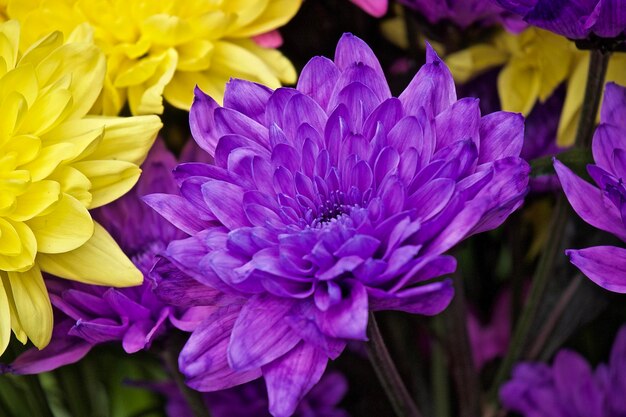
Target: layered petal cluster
{"points": [[570, 387], [603, 205], [465, 13], [534, 64], [163, 48], [376, 8], [575, 19], [55, 164], [328, 201], [87, 315], [251, 400]]}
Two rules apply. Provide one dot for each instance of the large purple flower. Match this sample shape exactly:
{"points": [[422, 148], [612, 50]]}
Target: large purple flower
{"points": [[569, 388], [325, 202], [575, 19], [465, 13], [603, 206], [85, 314]]}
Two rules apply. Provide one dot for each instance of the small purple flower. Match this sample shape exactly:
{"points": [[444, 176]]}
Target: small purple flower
{"points": [[604, 206], [87, 315], [250, 399], [325, 202], [569, 388], [575, 19], [465, 13]]}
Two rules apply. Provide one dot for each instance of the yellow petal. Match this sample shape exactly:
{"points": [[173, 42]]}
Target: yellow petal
{"points": [[25, 146], [10, 244], [276, 14], [99, 261], [179, 92], [279, 66], [25, 259], [474, 60], [33, 305], [147, 98], [570, 115], [74, 183], [76, 58], [49, 158], [9, 43], [65, 228], [16, 325], [39, 197], [167, 30], [126, 139], [518, 86], [5, 318], [109, 179]]}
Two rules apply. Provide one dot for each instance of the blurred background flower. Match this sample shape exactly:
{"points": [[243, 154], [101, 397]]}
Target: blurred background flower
{"points": [[570, 387]]}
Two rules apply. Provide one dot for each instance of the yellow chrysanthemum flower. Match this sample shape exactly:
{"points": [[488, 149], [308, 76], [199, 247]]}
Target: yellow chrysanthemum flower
{"points": [[535, 63], [55, 164], [163, 48]]}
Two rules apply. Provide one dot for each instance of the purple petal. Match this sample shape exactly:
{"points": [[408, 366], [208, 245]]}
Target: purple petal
{"points": [[203, 359], [604, 265], [589, 203], [202, 121], [346, 319], [501, 135], [291, 377], [460, 121], [318, 79], [62, 350], [432, 87], [428, 299], [606, 140], [248, 98], [225, 200], [260, 333], [177, 211], [352, 50]]}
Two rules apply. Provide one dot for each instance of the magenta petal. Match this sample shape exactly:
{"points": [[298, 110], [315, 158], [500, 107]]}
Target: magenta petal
{"points": [[290, 377], [261, 333], [589, 203], [377, 8], [203, 359], [202, 121], [604, 265]]}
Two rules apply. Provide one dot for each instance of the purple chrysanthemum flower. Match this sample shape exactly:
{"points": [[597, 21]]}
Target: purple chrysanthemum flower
{"points": [[575, 19], [89, 314], [325, 202], [603, 206], [465, 13], [569, 388], [251, 400]]}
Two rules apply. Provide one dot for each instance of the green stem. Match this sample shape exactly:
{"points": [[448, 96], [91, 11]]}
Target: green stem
{"points": [[387, 373], [555, 316], [598, 65], [192, 397], [460, 353], [439, 374], [538, 286]]}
